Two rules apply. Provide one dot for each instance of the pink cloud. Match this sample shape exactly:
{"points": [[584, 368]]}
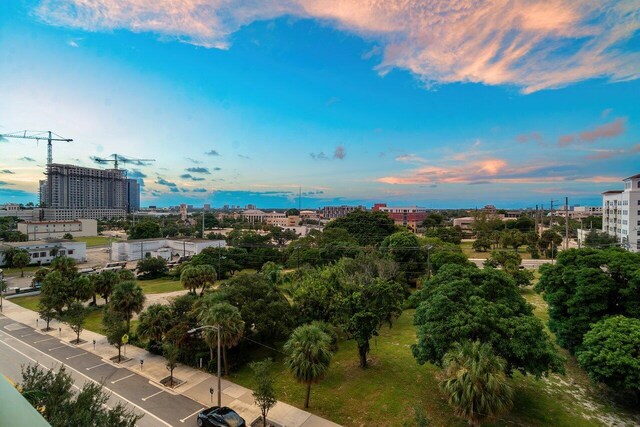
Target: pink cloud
{"points": [[609, 130], [604, 154], [531, 44]]}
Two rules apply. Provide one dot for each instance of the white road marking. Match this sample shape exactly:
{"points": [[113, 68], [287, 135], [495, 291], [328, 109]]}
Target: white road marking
{"points": [[88, 369], [197, 412], [57, 348], [28, 335], [96, 382], [77, 355], [123, 378], [46, 339], [144, 399]]}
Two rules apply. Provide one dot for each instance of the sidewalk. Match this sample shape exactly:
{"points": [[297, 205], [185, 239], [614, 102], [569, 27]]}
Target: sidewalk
{"points": [[196, 383]]}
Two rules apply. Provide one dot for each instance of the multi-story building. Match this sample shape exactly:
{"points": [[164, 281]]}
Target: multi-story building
{"points": [[406, 216], [39, 230], [621, 213], [73, 192], [15, 210], [133, 195], [332, 212]]}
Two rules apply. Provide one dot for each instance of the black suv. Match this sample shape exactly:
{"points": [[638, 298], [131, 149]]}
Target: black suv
{"points": [[220, 416]]}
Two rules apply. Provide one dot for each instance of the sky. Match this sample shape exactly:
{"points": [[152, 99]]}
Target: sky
{"points": [[440, 104]]}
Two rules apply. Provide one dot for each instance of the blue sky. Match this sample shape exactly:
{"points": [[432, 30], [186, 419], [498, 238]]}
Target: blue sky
{"points": [[354, 102]]}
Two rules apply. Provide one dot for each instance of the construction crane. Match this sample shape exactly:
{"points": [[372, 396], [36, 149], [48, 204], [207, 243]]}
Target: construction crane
{"points": [[39, 136], [119, 158]]}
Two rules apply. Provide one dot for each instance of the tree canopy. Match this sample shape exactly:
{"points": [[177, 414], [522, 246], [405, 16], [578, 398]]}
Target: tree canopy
{"points": [[466, 303], [367, 227]]}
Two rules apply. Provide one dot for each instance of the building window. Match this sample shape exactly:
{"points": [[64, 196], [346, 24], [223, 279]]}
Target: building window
{"points": [[70, 252], [35, 255]]}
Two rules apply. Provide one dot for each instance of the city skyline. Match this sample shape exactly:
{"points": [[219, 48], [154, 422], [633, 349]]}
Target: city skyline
{"points": [[356, 103]]}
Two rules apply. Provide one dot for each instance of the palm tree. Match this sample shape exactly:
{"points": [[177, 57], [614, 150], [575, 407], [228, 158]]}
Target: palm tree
{"points": [[195, 276], [154, 322], [309, 355], [475, 383], [105, 282], [127, 298], [228, 319]]}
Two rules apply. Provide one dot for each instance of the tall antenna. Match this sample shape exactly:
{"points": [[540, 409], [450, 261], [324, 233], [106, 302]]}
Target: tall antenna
{"points": [[299, 199]]}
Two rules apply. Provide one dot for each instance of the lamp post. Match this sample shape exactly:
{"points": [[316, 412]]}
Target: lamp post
{"points": [[428, 248], [217, 329]]}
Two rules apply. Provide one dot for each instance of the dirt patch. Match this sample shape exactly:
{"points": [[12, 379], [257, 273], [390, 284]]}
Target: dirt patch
{"points": [[123, 359], [166, 381]]}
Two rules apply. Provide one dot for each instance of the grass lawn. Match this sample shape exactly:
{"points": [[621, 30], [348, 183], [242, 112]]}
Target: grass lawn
{"points": [[93, 241], [30, 302], [467, 248], [15, 272], [160, 285]]}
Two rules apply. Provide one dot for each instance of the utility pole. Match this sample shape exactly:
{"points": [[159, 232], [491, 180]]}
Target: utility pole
{"points": [[566, 223], [203, 223], [535, 220]]}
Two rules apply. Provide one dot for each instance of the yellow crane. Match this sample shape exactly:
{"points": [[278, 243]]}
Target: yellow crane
{"points": [[38, 136]]}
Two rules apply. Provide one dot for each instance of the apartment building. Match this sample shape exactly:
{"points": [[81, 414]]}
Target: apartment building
{"points": [[72, 192], [406, 216], [332, 212], [621, 213]]}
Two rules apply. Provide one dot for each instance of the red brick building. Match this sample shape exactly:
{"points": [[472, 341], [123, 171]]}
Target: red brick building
{"points": [[406, 216]]}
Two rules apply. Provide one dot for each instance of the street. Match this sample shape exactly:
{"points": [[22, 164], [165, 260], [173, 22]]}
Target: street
{"points": [[21, 345]]}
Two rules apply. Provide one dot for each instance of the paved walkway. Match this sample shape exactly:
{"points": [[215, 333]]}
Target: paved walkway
{"points": [[196, 383]]}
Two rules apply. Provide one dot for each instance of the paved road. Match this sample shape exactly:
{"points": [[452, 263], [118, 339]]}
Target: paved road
{"points": [[531, 264], [21, 344]]}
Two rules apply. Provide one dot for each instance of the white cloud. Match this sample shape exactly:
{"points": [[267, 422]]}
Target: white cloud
{"points": [[532, 44]]}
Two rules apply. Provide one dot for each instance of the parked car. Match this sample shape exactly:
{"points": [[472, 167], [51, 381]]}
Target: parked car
{"points": [[220, 416]]}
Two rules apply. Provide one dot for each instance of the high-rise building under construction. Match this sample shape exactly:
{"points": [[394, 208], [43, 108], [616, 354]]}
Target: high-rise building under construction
{"points": [[72, 192]]}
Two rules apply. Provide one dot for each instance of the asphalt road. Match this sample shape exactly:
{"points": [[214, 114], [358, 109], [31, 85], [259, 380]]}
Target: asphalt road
{"points": [[21, 345]]}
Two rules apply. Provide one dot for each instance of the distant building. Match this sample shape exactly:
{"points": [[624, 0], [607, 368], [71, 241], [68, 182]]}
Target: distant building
{"points": [[133, 195], [253, 215], [43, 252], [207, 207], [132, 250], [406, 216], [621, 213], [12, 209], [332, 212], [73, 192], [38, 230], [250, 207]]}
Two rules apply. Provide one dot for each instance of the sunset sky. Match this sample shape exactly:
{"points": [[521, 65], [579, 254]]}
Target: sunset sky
{"points": [[445, 103]]}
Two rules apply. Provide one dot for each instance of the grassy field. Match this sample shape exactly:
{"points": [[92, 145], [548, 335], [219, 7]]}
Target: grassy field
{"points": [[30, 302], [15, 272], [160, 286], [395, 384], [93, 241]]}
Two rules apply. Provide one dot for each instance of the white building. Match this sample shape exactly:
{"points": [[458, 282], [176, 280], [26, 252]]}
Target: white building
{"points": [[11, 209], [621, 213], [253, 215], [38, 230], [132, 250], [43, 252]]}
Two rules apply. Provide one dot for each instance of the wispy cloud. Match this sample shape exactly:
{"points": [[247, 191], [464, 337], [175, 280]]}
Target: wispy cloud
{"points": [[319, 156], [136, 173], [608, 130], [242, 156], [191, 177], [532, 136], [194, 161], [199, 190], [7, 171], [198, 170], [212, 153], [532, 44], [27, 159], [410, 158], [162, 181]]}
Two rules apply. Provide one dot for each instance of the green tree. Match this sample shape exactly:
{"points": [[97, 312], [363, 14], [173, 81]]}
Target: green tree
{"points": [[127, 299], [39, 276], [548, 243], [405, 249], [465, 303], [272, 271], [3, 289], [115, 327], [20, 260], [152, 267], [82, 288], [264, 393], [309, 356], [513, 239], [587, 285], [610, 353], [267, 313], [104, 283], [369, 228], [597, 239], [231, 328], [66, 267], [56, 292], [75, 316], [482, 243], [145, 230], [446, 234], [170, 352], [51, 393], [195, 276], [155, 321], [67, 236], [474, 382]]}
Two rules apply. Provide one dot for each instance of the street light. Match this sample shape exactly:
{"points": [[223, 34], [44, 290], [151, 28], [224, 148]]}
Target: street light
{"points": [[428, 248], [217, 329]]}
